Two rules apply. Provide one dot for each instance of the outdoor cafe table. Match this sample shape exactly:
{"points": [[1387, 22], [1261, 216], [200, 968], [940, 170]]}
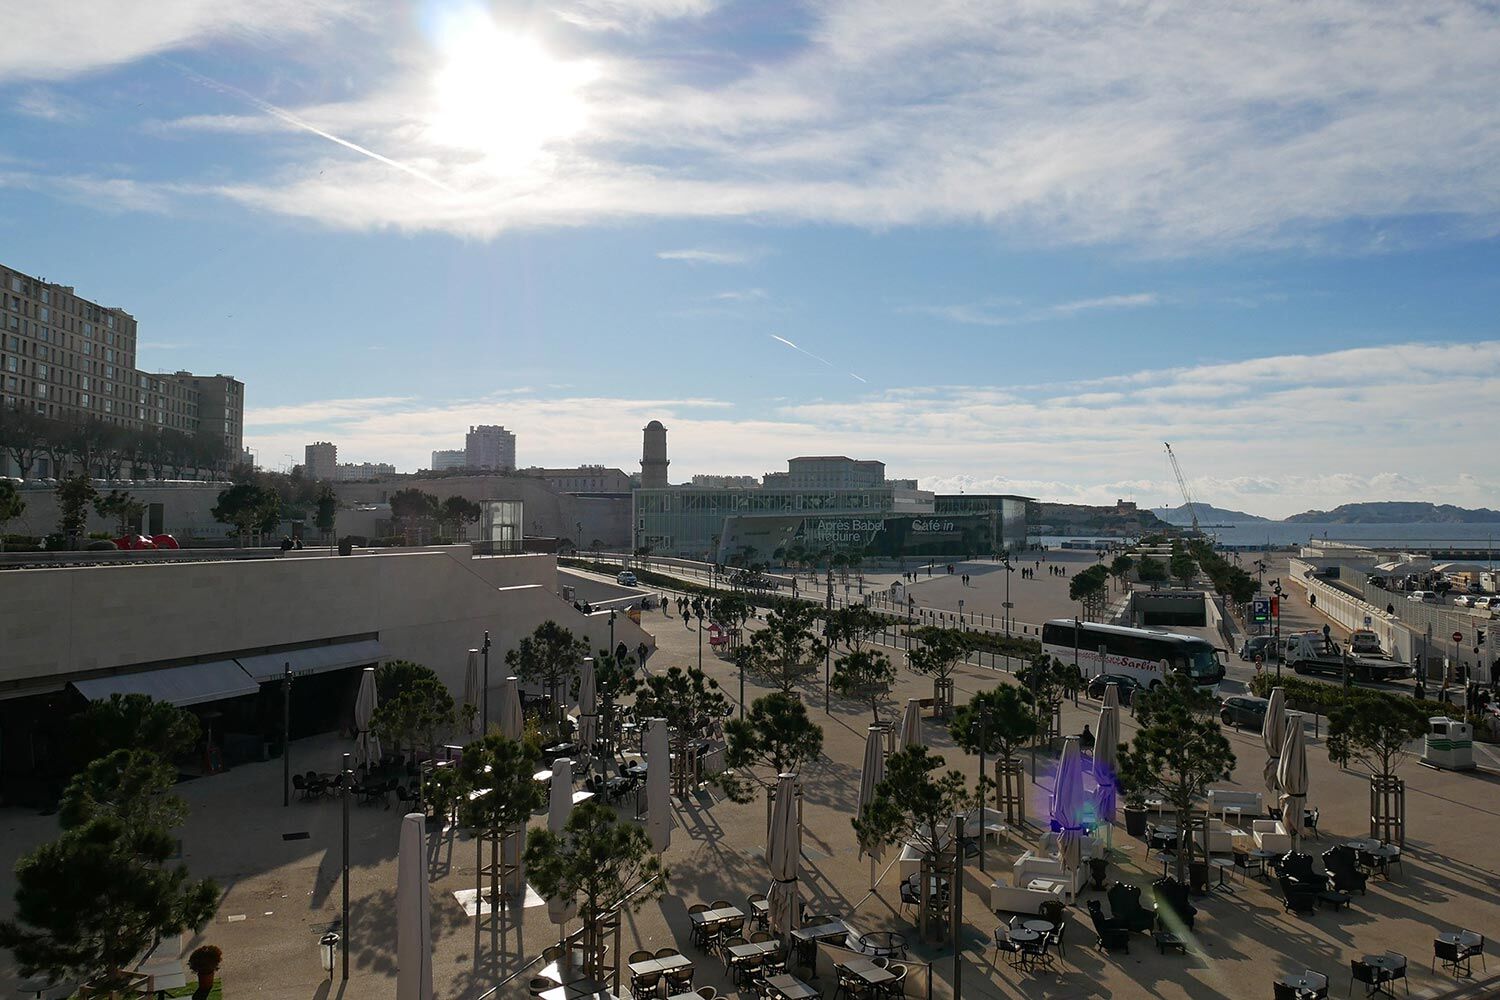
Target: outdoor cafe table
{"points": [[1383, 855], [808, 937], [752, 948], [882, 943], [1306, 983], [652, 966], [584, 989], [1385, 965], [761, 908], [866, 969], [716, 916], [789, 987]]}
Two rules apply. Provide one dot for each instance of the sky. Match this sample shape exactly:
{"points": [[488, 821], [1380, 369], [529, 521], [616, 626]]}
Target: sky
{"points": [[1001, 246]]}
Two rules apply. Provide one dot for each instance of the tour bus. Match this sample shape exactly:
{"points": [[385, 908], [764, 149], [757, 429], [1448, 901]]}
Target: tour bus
{"points": [[1144, 654]]}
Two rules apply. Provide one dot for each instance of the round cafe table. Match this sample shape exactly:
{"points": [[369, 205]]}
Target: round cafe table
{"points": [[1040, 926], [1385, 963], [1023, 935], [1303, 984]]}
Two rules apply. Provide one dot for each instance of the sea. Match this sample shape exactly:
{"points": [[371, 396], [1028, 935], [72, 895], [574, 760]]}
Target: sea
{"points": [[1278, 534]]}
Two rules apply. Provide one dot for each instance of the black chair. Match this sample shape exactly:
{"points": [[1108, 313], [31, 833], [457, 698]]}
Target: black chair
{"points": [[1399, 972], [1370, 976], [1471, 944], [1299, 866], [1342, 864], [1310, 821], [1285, 992], [1297, 897], [1055, 938], [1447, 952], [300, 784], [1114, 935], [1125, 906], [1005, 946], [1171, 898]]}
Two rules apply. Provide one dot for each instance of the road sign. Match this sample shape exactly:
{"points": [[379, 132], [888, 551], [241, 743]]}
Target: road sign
{"points": [[1458, 637], [1260, 610], [1369, 621]]}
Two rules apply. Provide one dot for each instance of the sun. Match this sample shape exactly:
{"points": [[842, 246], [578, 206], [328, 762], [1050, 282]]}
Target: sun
{"points": [[502, 94]]}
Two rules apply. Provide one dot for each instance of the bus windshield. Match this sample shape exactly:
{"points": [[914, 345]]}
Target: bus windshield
{"points": [[1203, 663]]}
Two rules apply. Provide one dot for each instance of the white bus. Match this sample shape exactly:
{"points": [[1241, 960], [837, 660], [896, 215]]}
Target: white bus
{"points": [[1147, 655]]}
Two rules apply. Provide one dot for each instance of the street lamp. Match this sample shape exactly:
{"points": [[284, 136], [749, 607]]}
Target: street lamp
{"points": [[983, 721], [484, 696], [286, 736], [344, 789], [960, 614], [1009, 569], [612, 638]]}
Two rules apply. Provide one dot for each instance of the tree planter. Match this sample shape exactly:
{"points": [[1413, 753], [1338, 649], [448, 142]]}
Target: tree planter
{"points": [[1135, 822]]}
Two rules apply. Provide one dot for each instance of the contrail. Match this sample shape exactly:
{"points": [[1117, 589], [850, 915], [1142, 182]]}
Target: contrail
{"points": [[813, 356], [296, 122]]}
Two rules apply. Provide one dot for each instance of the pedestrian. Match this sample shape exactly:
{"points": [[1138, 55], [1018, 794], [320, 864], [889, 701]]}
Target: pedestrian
{"points": [[1086, 739]]}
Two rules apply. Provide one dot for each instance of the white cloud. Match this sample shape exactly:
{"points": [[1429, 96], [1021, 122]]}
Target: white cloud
{"points": [[1269, 438], [1008, 312], [630, 15], [53, 41], [700, 255], [48, 105], [740, 295], [1171, 127]]}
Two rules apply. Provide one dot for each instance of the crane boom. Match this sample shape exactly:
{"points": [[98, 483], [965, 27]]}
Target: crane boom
{"points": [[1187, 497]]}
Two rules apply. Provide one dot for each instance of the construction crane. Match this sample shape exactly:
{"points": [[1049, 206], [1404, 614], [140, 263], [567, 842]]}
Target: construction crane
{"points": [[1182, 484]]}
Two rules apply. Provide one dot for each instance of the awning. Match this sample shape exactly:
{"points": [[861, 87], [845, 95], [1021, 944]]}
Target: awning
{"points": [[189, 685], [312, 660]]}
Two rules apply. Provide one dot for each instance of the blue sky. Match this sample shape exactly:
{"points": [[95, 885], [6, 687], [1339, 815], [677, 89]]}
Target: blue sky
{"points": [[1016, 245]]}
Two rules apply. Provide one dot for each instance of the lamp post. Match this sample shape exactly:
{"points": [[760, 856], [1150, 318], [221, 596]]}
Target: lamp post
{"points": [[286, 736], [612, 637], [958, 904], [1009, 569], [484, 696], [984, 719], [827, 661], [960, 614], [579, 526], [344, 790]]}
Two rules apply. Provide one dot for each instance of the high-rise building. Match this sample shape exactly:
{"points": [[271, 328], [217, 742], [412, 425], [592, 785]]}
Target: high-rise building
{"points": [[320, 461], [64, 357], [654, 457], [490, 448], [453, 458]]}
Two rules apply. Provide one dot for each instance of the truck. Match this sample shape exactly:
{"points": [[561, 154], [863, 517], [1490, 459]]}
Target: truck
{"points": [[1313, 654]]}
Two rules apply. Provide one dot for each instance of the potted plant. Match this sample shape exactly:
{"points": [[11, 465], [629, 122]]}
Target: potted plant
{"points": [[205, 961], [1132, 793]]}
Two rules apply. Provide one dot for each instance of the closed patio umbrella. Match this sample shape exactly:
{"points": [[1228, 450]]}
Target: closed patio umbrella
{"points": [[911, 723], [872, 774], [588, 708], [1272, 736], [1068, 800], [471, 685], [513, 726], [1291, 773], [559, 806], [785, 856], [1106, 749], [367, 745], [413, 913], [659, 820]]}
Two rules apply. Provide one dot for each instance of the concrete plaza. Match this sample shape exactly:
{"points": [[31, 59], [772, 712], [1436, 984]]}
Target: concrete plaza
{"points": [[282, 888]]}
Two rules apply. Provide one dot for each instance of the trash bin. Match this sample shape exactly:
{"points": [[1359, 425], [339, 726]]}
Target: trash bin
{"points": [[346, 547], [1449, 744]]}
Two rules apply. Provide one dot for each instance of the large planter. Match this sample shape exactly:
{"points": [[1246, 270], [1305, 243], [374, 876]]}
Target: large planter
{"points": [[1135, 822]]}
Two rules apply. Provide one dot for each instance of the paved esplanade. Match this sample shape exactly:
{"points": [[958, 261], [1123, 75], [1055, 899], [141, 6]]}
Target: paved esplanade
{"points": [[281, 895]]}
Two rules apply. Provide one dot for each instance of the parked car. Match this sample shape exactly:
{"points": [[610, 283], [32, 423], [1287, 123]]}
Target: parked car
{"points": [[626, 577], [1465, 600], [1487, 603], [1127, 686], [1363, 642], [1257, 645], [1425, 596], [1243, 711]]}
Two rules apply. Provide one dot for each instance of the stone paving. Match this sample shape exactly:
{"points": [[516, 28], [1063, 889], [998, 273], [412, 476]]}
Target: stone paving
{"points": [[282, 894]]}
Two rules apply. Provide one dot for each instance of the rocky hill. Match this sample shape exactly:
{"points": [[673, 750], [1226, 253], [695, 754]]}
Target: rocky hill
{"points": [[1398, 512], [1207, 514], [1080, 519]]}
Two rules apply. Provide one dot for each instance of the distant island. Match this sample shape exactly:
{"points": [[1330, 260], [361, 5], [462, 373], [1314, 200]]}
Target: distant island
{"points": [[1397, 512], [1119, 521], [1207, 514]]}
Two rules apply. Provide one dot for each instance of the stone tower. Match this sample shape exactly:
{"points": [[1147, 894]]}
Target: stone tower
{"points": [[654, 457]]}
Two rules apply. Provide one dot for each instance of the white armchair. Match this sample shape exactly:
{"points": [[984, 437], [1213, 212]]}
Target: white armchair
{"points": [[1270, 835], [1032, 864]]}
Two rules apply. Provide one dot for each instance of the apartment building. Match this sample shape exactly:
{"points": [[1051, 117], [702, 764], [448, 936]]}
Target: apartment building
{"points": [[320, 461], [448, 459], [490, 448], [67, 358]]}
